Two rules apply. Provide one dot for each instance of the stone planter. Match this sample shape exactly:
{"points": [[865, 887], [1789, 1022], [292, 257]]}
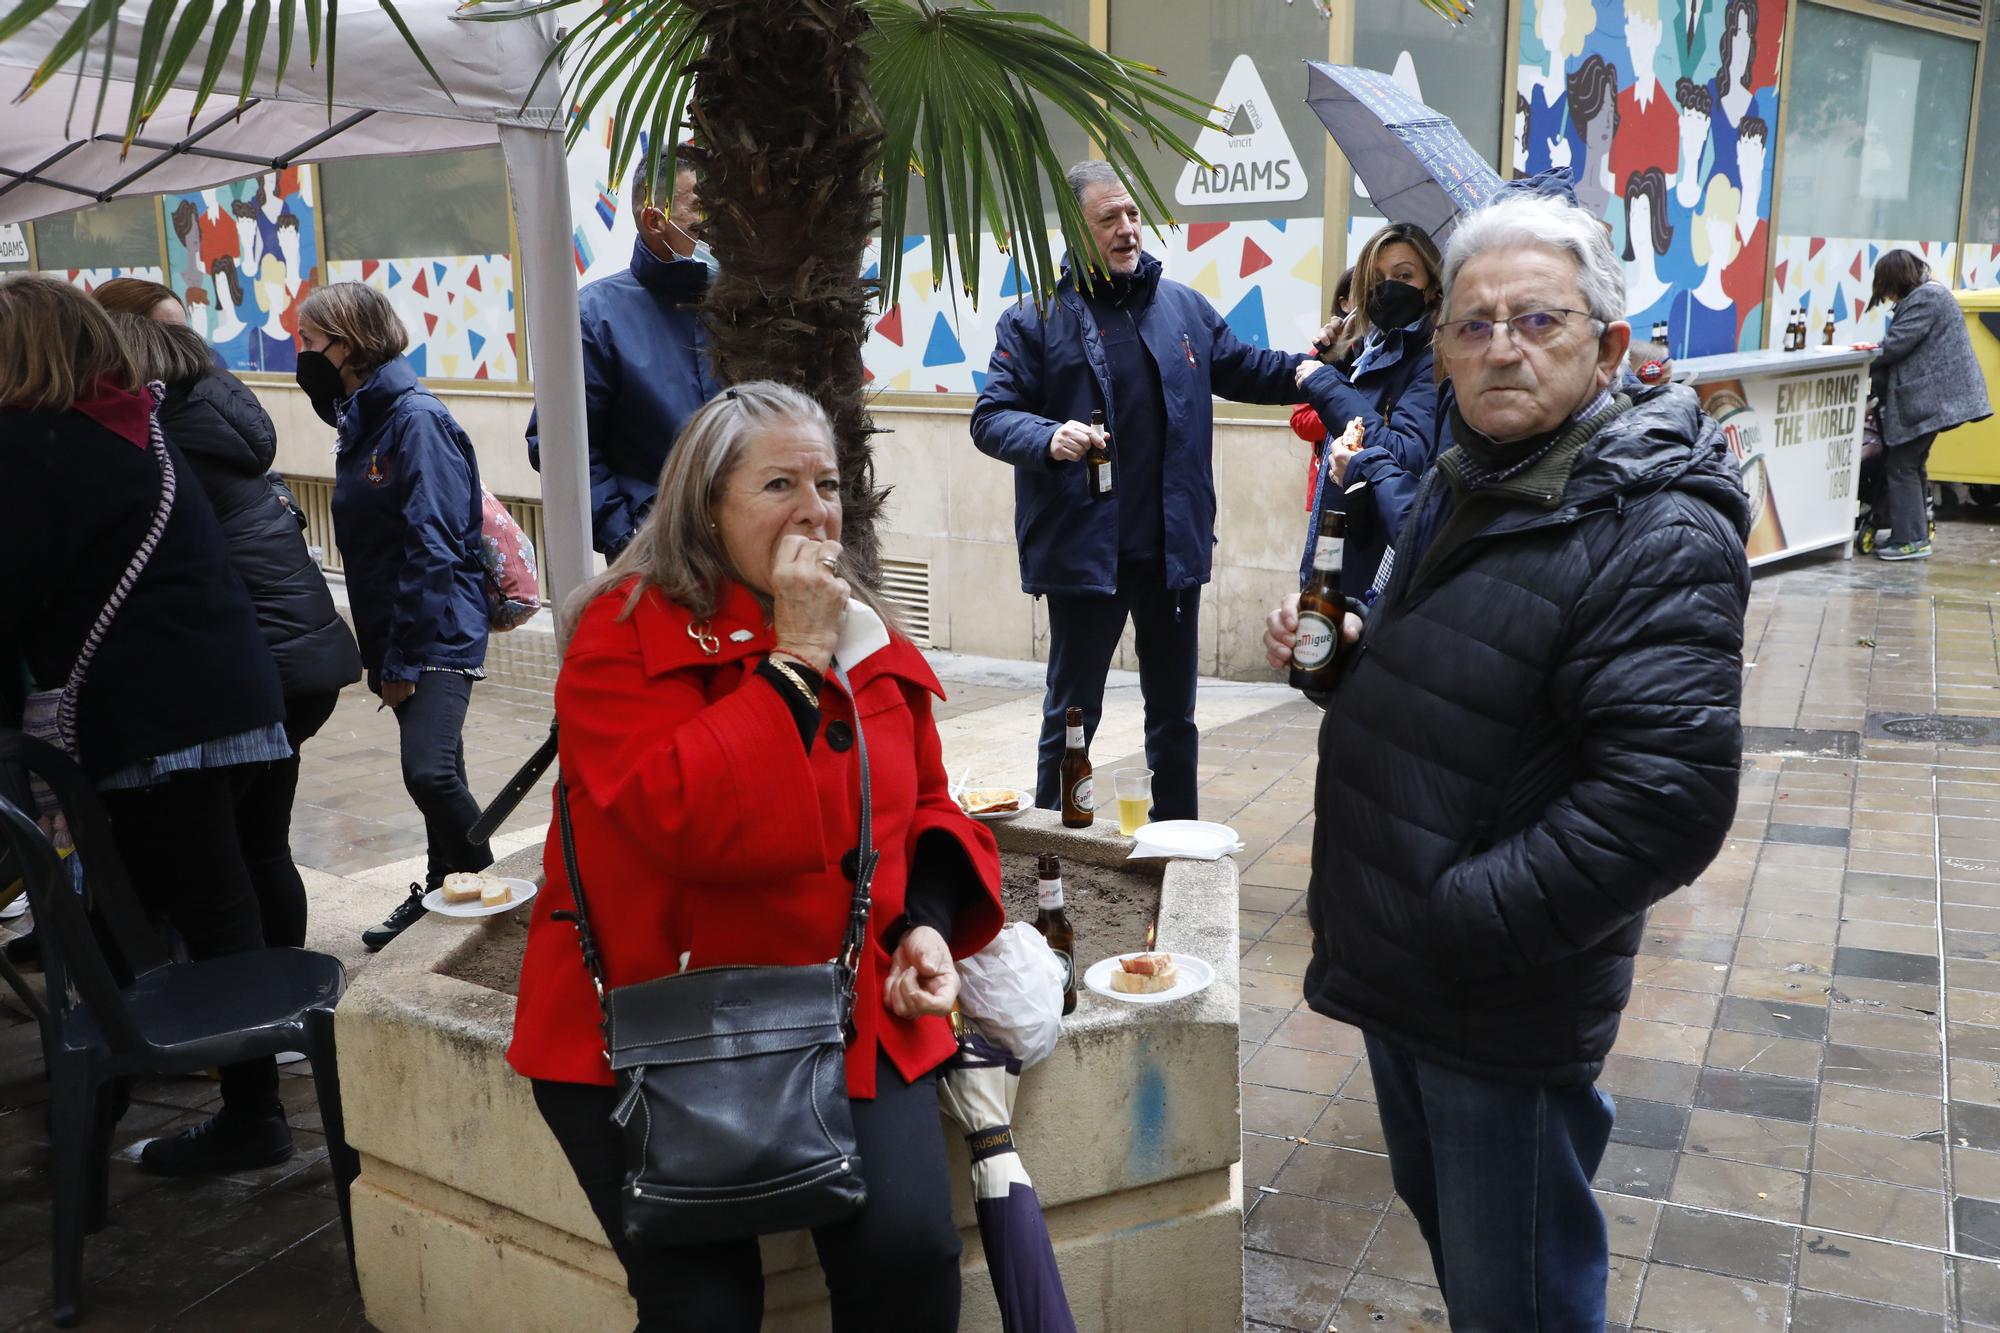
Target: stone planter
{"points": [[466, 1216]]}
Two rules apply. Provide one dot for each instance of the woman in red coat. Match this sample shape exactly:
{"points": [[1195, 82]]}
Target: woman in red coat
{"points": [[713, 778]]}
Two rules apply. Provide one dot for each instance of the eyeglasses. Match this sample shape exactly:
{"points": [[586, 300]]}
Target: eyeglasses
{"points": [[1530, 328]]}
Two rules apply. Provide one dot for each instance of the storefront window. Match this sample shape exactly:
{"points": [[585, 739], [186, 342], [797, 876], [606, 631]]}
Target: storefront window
{"points": [[440, 253], [123, 235], [1457, 71], [1979, 266], [1875, 141]]}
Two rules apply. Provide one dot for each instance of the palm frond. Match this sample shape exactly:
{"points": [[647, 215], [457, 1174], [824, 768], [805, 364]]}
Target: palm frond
{"points": [[956, 90], [171, 34]]}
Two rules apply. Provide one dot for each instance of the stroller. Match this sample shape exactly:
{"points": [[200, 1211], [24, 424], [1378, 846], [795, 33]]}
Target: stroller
{"points": [[1871, 516]]}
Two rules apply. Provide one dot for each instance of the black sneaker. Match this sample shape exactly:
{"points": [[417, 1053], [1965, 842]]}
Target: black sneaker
{"points": [[406, 915], [219, 1144]]}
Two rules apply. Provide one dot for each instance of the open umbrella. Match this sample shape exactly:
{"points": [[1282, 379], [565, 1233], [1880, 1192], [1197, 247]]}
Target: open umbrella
{"points": [[978, 1090], [1418, 168]]}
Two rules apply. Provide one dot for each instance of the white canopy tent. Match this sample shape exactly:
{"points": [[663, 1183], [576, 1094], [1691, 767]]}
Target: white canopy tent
{"points": [[383, 104]]}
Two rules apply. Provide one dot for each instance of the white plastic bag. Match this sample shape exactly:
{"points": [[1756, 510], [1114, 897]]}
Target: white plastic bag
{"points": [[1013, 988]]}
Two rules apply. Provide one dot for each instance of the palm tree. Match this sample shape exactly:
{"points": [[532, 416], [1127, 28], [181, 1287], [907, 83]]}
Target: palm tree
{"points": [[796, 106]]}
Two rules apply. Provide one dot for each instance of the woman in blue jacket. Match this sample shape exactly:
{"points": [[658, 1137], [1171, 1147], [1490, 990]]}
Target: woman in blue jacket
{"points": [[1390, 387], [406, 516]]}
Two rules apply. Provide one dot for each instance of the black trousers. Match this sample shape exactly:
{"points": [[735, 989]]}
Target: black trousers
{"points": [[894, 1265], [433, 731], [1083, 636], [179, 841], [1904, 485], [264, 826]]}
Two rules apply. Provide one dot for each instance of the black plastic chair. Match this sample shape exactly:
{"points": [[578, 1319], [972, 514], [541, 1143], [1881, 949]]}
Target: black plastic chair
{"points": [[120, 1008]]}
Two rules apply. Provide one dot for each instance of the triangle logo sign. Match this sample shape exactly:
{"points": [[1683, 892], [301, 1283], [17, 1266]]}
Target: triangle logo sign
{"points": [[1253, 162]]}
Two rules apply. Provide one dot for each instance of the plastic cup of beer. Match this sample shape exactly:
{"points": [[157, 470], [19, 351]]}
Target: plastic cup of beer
{"points": [[1135, 797]]}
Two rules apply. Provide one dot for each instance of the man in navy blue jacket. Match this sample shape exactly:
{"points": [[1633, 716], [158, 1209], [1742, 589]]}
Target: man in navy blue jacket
{"points": [[1149, 354], [645, 366]]}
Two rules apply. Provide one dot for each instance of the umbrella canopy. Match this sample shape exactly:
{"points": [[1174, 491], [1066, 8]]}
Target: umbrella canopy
{"points": [[1418, 168], [978, 1090], [53, 159]]}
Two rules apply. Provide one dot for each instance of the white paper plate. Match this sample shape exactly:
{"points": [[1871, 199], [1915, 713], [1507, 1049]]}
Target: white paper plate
{"points": [[1196, 839], [1194, 975], [15, 910], [1026, 802], [524, 889]]}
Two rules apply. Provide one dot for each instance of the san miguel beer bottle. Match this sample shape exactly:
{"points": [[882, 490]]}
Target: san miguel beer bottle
{"points": [[1078, 809], [1316, 653], [1097, 458], [1053, 922], [1826, 333]]}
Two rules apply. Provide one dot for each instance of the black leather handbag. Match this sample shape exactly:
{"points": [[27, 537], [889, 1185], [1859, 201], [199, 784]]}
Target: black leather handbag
{"points": [[732, 1080]]}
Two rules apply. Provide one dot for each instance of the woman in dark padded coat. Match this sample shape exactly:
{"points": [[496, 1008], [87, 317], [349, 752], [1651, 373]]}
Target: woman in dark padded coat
{"points": [[230, 443]]}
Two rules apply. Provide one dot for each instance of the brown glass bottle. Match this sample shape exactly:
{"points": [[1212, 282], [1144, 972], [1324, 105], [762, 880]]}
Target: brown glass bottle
{"points": [[1078, 809], [1097, 459], [1317, 653], [1053, 921], [1826, 334]]}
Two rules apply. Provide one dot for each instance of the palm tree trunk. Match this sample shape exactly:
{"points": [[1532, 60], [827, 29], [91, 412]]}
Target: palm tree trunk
{"points": [[789, 155]]}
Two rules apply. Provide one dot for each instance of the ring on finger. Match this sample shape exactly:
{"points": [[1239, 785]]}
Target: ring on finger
{"points": [[830, 564]]}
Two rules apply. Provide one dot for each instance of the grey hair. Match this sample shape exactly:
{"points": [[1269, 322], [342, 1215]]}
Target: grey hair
{"points": [[679, 549], [1552, 224], [1091, 171]]}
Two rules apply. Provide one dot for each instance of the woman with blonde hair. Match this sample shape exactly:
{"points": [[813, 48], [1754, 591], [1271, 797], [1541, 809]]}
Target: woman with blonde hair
{"points": [[406, 516], [145, 660], [1387, 384], [720, 687]]}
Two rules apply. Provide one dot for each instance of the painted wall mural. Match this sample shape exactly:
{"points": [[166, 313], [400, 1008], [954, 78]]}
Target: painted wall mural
{"points": [[90, 278], [1979, 266], [1664, 112], [459, 311], [242, 257], [1263, 277], [1833, 274]]}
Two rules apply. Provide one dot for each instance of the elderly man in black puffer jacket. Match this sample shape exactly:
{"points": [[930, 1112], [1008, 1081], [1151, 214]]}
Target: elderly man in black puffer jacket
{"points": [[1536, 739]]}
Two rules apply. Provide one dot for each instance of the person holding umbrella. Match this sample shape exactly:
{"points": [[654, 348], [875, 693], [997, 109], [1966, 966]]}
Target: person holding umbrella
{"points": [[1389, 387]]}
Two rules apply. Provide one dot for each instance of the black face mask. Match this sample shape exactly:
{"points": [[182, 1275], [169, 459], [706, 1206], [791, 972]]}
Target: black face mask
{"points": [[1395, 305], [321, 381]]}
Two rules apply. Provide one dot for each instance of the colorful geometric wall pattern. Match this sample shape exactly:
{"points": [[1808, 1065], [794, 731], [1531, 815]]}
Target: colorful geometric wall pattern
{"points": [[1664, 112], [90, 278], [243, 256], [1262, 276], [459, 311], [1980, 265], [1836, 273]]}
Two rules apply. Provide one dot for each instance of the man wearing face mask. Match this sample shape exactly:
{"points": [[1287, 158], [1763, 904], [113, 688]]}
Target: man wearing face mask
{"points": [[645, 365]]}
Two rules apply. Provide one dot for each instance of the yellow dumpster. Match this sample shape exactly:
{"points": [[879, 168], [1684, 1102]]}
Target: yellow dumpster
{"points": [[1972, 452]]}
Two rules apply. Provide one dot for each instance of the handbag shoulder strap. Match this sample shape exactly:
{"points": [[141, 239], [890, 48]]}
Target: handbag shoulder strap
{"points": [[853, 939], [157, 443]]}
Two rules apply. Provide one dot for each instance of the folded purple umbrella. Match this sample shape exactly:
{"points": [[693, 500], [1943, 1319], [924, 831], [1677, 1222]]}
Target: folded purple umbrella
{"points": [[978, 1091]]}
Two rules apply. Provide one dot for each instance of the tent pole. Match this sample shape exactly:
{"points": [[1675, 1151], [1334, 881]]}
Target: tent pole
{"points": [[538, 175]]}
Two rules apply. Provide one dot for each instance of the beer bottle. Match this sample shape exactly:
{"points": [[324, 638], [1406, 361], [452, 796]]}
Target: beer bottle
{"points": [[1792, 334], [1316, 653], [1098, 459], [1826, 334], [1053, 922], [1078, 810]]}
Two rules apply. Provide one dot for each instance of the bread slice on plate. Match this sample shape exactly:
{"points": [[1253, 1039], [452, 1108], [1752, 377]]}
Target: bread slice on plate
{"points": [[1145, 974], [463, 888]]}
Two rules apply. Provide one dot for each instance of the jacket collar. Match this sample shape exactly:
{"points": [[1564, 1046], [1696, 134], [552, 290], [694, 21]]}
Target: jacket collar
{"points": [[1146, 278], [680, 280], [372, 402], [739, 632], [1386, 347]]}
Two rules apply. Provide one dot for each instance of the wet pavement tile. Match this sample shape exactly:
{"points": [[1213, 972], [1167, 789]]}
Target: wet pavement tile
{"points": [[1646, 1172], [1756, 1094], [1885, 965], [1872, 1271], [1812, 835], [1817, 1312], [1647, 1124], [1736, 1246], [1978, 1226], [1302, 1228], [1774, 1017], [1684, 1300]]}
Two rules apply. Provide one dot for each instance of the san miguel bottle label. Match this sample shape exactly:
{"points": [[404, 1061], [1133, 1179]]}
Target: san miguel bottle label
{"points": [[1068, 967], [1080, 794], [1315, 641]]}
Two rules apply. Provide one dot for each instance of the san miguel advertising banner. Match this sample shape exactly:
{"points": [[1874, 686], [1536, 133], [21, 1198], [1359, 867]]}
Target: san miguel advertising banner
{"points": [[1797, 439]]}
